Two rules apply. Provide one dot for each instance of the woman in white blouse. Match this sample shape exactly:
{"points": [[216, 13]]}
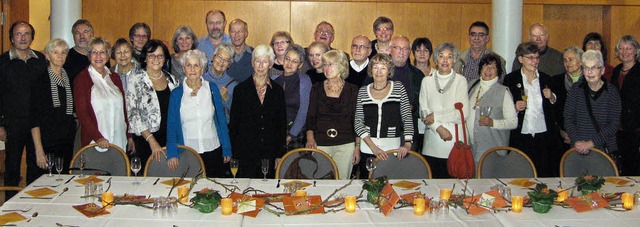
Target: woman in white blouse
{"points": [[438, 94], [492, 114], [147, 95], [197, 119]]}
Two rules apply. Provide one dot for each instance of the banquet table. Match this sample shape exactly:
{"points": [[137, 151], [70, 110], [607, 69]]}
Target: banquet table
{"points": [[59, 209]]}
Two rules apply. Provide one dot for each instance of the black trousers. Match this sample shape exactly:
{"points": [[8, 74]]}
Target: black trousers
{"points": [[628, 149], [19, 136], [438, 167], [544, 149], [251, 167]]}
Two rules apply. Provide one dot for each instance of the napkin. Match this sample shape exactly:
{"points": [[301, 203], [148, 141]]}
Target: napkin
{"points": [[474, 209], [522, 182], [616, 181], [91, 210], [587, 202], [11, 217], [406, 184], [298, 203], [246, 202], [409, 197], [301, 183], [92, 178], [272, 197], [389, 199], [171, 181], [41, 192]]}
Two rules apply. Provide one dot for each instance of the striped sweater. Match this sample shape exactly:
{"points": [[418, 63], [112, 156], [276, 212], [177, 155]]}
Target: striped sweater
{"points": [[386, 118]]}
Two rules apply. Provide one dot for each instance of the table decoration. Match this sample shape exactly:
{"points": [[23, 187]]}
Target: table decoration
{"points": [[542, 198], [92, 178], [11, 217], [406, 184], [522, 182], [419, 206], [175, 182], [482, 203], [563, 194], [293, 204], [617, 181], [226, 205], [272, 197], [409, 197], [107, 200], [589, 183], [91, 210], [183, 194], [301, 193], [206, 200], [587, 202], [445, 194], [516, 203], [41, 192], [350, 204], [627, 201], [246, 205]]}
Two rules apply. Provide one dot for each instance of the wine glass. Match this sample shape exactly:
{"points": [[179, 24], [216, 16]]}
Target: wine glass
{"points": [[59, 164], [234, 169], [265, 168], [371, 164], [50, 162], [136, 165], [524, 95], [82, 161]]}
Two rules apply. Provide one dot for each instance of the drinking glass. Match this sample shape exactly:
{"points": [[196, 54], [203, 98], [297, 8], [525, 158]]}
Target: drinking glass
{"points": [[50, 162], [82, 161], [265, 168], [485, 111], [371, 164], [524, 95], [136, 165], [59, 164], [234, 169]]}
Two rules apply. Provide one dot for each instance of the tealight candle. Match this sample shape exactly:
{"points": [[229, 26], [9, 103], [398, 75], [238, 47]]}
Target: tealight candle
{"points": [[418, 206], [107, 200], [445, 194], [226, 205], [350, 204], [182, 194], [301, 193], [563, 194], [516, 203], [627, 201]]}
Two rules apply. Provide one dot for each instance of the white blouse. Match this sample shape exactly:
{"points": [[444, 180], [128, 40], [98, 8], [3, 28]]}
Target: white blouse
{"points": [[108, 107], [196, 116], [534, 114]]}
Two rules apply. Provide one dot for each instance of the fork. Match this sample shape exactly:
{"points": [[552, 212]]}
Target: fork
{"points": [[631, 185], [634, 180], [53, 186], [24, 211]]}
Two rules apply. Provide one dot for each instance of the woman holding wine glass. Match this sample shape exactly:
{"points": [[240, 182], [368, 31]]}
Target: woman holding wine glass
{"points": [[196, 118], [492, 114], [537, 134]]}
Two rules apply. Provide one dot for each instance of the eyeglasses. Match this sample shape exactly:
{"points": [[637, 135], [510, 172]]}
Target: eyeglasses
{"points": [[397, 48], [591, 69], [294, 61], [381, 29], [192, 66], [219, 57], [275, 43], [102, 52], [140, 36], [324, 32], [328, 64], [477, 34], [154, 56], [358, 47], [532, 58], [122, 52]]}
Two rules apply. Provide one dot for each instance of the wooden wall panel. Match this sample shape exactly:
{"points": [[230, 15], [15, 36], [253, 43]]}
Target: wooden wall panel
{"points": [[112, 19], [568, 25], [625, 20], [168, 15], [530, 14]]}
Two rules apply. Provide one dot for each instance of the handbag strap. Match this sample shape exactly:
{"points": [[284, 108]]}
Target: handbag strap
{"points": [[589, 109], [458, 106]]}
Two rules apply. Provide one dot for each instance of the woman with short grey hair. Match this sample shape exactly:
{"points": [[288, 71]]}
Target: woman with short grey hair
{"points": [[221, 60], [184, 39], [561, 84]]}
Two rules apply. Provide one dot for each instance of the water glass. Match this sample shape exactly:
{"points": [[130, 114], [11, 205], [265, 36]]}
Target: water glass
{"points": [[59, 164], [89, 188], [50, 163], [82, 161]]}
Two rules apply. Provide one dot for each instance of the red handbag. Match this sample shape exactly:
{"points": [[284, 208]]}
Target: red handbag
{"points": [[460, 163]]}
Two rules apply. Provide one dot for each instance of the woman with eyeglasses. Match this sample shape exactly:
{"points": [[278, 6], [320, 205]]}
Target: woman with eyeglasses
{"points": [[148, 93], [126, 66], [280, 41], [595, 41], [217, 75]]}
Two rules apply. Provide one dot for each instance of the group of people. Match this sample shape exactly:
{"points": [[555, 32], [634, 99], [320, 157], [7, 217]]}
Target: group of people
{"points": [[226, 99]]}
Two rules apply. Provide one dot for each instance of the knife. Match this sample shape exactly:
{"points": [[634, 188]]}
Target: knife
{"points": [[501, 182], [27, 197], [156, 182], [74, 176]]}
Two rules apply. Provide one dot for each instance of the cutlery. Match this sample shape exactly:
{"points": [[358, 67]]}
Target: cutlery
{"points": [[425, 183], [63, 225], [66, 182], [64, 190], [278, 185], [631, 185], [35, 214], [9, 225], [634, 180], [314, 183], [27, 197], [156, 182], [45, 185], [501, 182], [18, 210]]}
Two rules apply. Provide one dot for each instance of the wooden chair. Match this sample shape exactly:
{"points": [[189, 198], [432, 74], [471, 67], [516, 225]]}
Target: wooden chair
{"points": [[596, 162], [111, 162], [189, 160], [307, 163], [412, 166], [506, 162]]}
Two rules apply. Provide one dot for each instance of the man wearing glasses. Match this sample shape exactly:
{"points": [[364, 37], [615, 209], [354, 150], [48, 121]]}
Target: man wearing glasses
{"points": [[550, 59], [469, 59], [360, 50]]}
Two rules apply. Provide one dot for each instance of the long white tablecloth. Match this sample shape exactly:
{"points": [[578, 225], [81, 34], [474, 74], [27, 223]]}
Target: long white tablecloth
{"points": [[59, 209]]}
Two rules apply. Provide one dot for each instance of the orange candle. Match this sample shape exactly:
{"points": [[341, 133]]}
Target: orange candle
{"points": [[516, 203], [226, 205], [418, 206], [627, 201], [350, 204], [301, 193], [562, 195], [107, 200], [182, 194], [445, 194]]}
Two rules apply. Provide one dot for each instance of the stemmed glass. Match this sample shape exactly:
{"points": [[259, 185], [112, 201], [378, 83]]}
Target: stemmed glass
{"points": [[371, 164], [234, 169], [136, 165], [265, 168], [59, 164], [82, 161], [50, 162]]}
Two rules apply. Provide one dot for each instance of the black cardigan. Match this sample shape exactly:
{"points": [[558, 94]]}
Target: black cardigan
{"points": [[629, 96]]}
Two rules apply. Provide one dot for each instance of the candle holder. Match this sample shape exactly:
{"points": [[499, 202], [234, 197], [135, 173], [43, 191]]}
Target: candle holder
{"points": [[182, 194], [107, 200], [226, 205], [627, 200], [445, 194], [516, 203], [418, 206], [350, 204], [563, 194], [301, 193]]}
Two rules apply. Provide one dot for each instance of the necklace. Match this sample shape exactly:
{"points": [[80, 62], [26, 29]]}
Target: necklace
{"points": [[331, 89], [155, 78], [373, 86], [446, 87], [477, 98], [195, 87]]}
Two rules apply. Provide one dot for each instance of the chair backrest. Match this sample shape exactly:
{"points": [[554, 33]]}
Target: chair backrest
{"points": [[506, 162], [412, 166], [113, 161], [307, 163], [189, 160], [596, 162]]}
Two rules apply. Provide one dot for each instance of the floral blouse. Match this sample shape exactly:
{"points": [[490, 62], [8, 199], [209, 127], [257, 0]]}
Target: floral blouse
{"points": [[143, 106]]}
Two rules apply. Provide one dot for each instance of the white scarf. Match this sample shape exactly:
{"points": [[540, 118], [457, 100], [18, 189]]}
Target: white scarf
{"points": [[108, 107]]}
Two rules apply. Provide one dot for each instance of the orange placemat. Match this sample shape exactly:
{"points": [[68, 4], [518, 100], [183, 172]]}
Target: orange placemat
{"points": [[91, 210], [475, 209], [389, 199], [41, 192], [522, 182], [298, 203], [587, 202], [11, 217], [616, 181], [406, 184], [91, 178], [301, 183], [409, 197], [238, 199], [171, 181]]}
